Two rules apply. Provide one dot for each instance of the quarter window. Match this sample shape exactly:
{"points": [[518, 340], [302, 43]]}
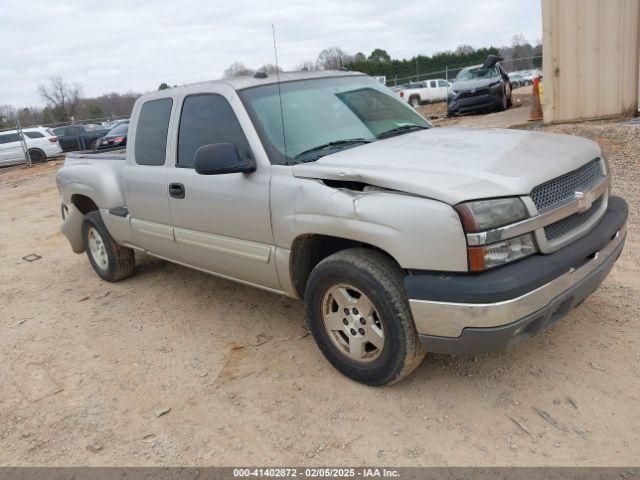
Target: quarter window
{"points": [[34, 134], [207, 119], [151, 132]]}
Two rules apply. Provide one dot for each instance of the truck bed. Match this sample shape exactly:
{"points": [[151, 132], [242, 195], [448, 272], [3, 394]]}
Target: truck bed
{"points": [[119, 154]]}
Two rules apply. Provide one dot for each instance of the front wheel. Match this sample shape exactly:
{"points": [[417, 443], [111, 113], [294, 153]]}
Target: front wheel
{"points": [[112, 262], [359, 316]]}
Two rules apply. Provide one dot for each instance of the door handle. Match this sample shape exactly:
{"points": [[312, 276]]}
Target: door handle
{"points": [[176, 190]]}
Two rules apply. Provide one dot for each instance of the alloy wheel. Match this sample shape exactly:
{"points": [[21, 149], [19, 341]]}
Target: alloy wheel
{"points": [[352, 323]]}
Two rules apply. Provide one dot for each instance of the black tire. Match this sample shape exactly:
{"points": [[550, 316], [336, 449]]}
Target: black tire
{"points": [[504, 101], [120, 260], [414, 101], [37, 155], [380, 279]]}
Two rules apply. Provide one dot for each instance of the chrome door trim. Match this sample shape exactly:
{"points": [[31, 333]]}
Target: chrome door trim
{"points": [[153, 229], [257, 252]]}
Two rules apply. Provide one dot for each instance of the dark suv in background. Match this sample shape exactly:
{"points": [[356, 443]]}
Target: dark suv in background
{"points": [[78, 137], [479, 88]]}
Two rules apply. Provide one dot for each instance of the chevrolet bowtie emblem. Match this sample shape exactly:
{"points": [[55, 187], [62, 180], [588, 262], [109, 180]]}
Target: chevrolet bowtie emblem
{"points": [[585, 200]]}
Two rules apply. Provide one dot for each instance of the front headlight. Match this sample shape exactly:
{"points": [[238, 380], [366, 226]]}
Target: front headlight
{"points": [[501, 253], [483, 215]]}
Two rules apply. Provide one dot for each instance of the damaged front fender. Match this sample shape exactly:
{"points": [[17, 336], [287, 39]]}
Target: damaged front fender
{"points": [[419, 233]]}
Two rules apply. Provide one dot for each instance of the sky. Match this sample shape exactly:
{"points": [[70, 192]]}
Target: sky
{"points": [[117, 45]]}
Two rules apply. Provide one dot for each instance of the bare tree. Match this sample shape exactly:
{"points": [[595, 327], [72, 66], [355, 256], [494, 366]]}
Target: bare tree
{"points": [[269, 68], [333, 58], [61, 97], [307, 66], [7, 114], [237, 69], [518, 40], [464, 50]]}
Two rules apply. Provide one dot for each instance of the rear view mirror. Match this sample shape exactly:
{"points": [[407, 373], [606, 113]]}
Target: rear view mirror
{"points": [[221, 158]]}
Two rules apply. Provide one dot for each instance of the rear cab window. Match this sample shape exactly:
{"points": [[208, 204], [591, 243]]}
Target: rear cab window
{"points": [[151, 132], [205, 119]]}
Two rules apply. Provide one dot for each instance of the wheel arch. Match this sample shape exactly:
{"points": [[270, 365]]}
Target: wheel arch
{"points": [[83, 203], [307, 250]]}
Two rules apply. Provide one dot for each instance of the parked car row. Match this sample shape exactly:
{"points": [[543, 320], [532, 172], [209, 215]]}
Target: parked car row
{"points": [[41, 145], [79, 137], [476, 88]]}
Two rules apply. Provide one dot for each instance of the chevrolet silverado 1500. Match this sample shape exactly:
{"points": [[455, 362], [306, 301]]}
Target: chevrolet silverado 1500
{"points": [[400, 237]]}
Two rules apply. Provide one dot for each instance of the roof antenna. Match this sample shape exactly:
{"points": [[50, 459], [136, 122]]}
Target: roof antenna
{"points": [[275, 51]]}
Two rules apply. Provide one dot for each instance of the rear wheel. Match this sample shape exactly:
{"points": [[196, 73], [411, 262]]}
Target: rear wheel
{"points": [[359, 316], [37, 155], [414, 101], [112, 262]]}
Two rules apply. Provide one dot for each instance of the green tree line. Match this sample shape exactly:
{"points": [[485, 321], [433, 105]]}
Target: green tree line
{"points": [[421, 66]]}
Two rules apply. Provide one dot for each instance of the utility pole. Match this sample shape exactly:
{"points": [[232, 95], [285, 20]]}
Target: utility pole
{"points": [[417, 71], [23, 141]]}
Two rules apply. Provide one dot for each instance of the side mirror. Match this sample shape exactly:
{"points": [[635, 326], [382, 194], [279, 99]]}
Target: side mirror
{"points": [[221, 158]]}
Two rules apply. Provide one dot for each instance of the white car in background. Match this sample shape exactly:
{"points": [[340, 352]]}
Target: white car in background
{"points": [[427, 91], [40, 143]]}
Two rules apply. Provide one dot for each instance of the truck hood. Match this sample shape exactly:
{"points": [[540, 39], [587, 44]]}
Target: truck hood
{"points": [[456, 164]]}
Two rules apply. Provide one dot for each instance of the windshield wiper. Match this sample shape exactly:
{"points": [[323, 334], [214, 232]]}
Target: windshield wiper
{"points": [[401, 129], [335, 143]]}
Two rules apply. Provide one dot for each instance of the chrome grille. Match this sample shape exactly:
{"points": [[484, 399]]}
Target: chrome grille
{"points": [[564, 187], [567, 225]]}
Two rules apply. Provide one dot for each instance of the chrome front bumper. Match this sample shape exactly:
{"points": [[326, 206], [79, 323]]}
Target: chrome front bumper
{"points": [[447, 319]]}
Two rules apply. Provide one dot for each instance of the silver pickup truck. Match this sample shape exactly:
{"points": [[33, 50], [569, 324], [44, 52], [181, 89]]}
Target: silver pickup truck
{"points": [[400, 237]]}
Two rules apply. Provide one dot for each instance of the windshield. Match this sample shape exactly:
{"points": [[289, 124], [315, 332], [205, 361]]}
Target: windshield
{"points": [[325, 115], [119, 130], [474, 73]]}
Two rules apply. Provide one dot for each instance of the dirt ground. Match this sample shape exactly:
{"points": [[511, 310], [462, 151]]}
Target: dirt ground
{"points": [[175, 367]]}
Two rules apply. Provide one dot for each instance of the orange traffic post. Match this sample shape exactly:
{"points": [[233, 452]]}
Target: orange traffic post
{"points": [[536, 106]]}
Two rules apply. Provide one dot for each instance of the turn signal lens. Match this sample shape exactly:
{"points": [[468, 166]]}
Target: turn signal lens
{"points": [[501, 253]]}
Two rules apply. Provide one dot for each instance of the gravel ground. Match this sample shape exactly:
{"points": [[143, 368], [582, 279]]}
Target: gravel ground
{"points": [[174, 367]]}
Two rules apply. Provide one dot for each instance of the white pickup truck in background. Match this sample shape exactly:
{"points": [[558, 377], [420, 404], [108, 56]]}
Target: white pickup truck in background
{"points": [[427, 91]]}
